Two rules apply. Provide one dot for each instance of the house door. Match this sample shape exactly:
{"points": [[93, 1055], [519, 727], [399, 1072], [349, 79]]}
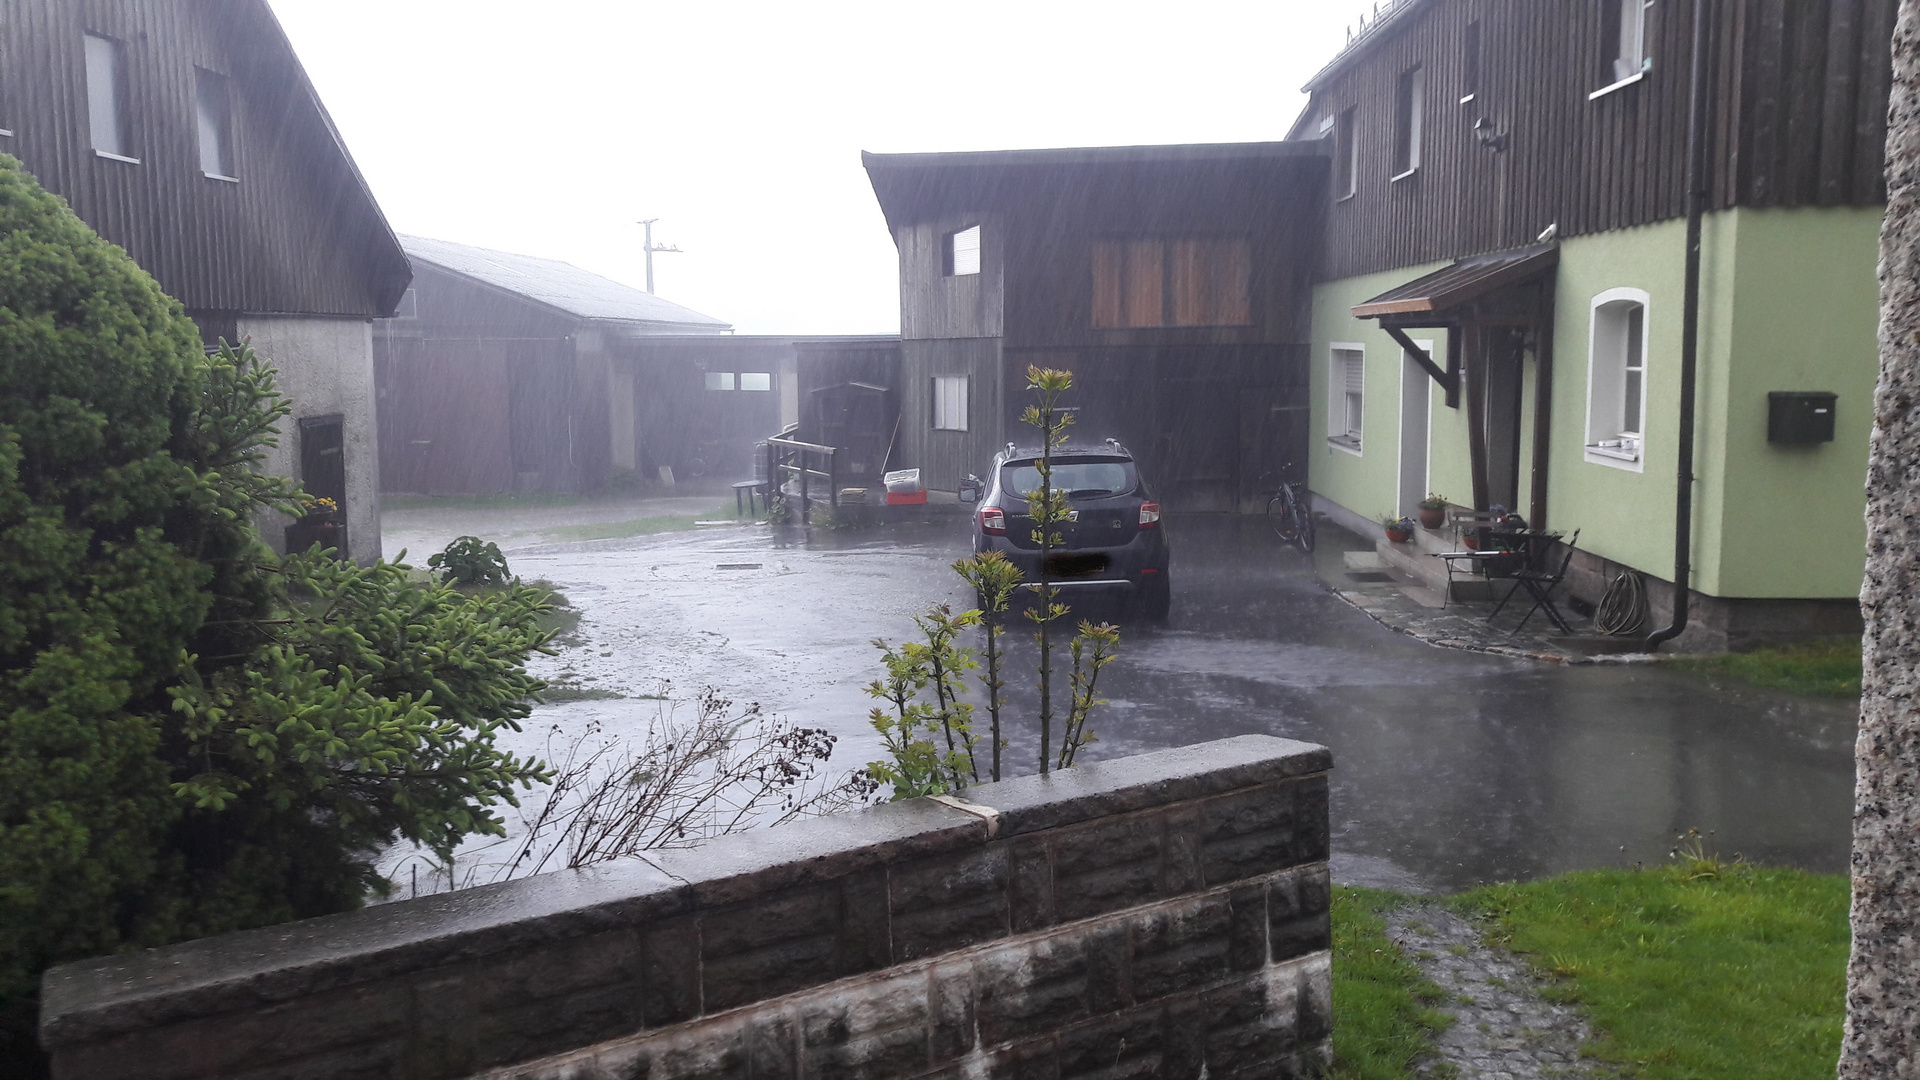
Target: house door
{"points": [[1504, 368], [1415, 394], [323, 459]]}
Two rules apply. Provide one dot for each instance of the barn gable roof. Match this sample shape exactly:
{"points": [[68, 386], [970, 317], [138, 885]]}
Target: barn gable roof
{"points": [[560, 286]]}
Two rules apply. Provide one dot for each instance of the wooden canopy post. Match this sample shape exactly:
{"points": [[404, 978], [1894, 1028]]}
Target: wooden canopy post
{"points": [[1472, 376], [1542, 411]]}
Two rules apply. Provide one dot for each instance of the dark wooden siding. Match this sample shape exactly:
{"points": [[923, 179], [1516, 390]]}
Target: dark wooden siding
{"points": [[934, 304], [945, 457], [298, 234], [695, 431], [1799, 119]]}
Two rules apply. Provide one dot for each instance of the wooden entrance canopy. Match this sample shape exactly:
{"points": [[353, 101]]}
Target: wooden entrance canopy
{"points": [[1508, 290]]}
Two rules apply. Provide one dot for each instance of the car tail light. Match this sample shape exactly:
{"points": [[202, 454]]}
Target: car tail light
{"points": [[993, 521], [1149, 514]]}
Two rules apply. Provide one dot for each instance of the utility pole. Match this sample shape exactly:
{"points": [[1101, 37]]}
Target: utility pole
{"points": [[650, 249]]}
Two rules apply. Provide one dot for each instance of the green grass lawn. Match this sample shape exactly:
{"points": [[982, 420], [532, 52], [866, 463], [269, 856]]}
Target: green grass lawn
{"points": [[646, 526], [1826, 668], [1698, 971], [1383, 1020]]}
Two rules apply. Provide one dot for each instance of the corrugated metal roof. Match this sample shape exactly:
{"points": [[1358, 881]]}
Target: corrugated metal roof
{"points": [[559, 285], [1465, 280]]}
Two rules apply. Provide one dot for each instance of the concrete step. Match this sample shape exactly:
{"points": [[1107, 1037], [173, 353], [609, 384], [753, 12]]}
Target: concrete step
{"points": [[1415, 561], [1363, 560]]}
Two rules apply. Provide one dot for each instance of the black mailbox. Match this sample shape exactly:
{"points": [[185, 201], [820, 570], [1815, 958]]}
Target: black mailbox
{"points": [[1796, 416]]}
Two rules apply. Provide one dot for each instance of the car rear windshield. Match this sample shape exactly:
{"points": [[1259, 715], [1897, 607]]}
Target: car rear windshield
{"points": [[1084, 477]]}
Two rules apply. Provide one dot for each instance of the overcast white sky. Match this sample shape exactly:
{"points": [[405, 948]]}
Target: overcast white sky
{"points": [[551, 128]]}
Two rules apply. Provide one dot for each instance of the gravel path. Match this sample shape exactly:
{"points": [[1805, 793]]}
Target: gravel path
{"points": [[1503, 1028]]}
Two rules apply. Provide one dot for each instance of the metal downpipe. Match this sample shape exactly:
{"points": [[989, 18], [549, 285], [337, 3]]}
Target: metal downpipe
{"points": [[1690, 332]]}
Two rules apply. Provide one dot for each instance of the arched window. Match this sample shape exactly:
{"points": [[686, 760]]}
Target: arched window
{"points": [[1617, 378]]}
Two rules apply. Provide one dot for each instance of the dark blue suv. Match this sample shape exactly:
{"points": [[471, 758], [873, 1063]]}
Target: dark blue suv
{"points": [[1114, 541]]}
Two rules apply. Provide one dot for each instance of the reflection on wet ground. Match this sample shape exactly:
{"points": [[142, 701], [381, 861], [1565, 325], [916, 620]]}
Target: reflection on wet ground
{"points": [[1451, 768]]}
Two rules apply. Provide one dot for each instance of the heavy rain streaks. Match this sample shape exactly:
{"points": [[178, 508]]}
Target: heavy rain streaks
{"points": [[1451, 768]]}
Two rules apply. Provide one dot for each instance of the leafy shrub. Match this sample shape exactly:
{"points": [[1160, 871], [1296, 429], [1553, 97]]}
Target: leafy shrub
{"points": [[471, 561], [194, 737]]}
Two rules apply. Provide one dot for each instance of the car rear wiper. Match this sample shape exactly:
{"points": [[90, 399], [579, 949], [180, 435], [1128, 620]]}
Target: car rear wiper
{"points": [[1089, 491]]}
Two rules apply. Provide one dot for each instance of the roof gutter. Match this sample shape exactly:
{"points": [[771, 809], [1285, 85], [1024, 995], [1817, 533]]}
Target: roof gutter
{"points": [[1690, 332]]}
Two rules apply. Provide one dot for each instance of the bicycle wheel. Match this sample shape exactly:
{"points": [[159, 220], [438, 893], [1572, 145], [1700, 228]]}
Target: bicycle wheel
{"points": [[1307, 528], [1280, 518]]}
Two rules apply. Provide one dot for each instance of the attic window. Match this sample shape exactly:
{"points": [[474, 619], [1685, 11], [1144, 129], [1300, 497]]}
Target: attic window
{"points": [[1470, 63], [1409, 110], [107, 98], [960, 252], [719, 380], [1624, 42], [213, 112], [1346, 153], [756, 380]]}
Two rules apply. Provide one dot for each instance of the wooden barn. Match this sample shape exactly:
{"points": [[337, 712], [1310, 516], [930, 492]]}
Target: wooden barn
{"points": [[504, 372], [188, 134], [1174, 281]]}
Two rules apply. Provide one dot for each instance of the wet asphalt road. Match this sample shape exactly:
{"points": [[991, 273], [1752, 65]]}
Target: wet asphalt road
{"points": [[1451, 768]]}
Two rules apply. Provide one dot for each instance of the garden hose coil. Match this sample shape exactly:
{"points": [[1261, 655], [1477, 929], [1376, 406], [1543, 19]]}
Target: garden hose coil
{"points": [[1623, 609]]}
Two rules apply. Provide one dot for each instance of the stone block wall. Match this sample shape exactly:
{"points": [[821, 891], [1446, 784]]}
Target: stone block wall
{"points": [[1156, 916]]}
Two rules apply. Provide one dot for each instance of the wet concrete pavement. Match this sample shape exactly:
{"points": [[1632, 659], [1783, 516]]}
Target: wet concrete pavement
{"points": [[1451, 768]]}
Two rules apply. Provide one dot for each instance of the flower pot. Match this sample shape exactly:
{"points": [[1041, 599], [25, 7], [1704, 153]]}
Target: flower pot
{"points": [[1434, 518], [1472, 540], [1399, 536]]}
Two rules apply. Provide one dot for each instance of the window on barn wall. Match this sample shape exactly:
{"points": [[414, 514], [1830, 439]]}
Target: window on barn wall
{"points": [[1346, 155], [950, 403], [1408, 113], [1624, 40], [1346, 394], [1617, 378], [213, 112], [756, 380], [107, 118], [1470, 63], [960, 252], [1189, 281], [719, 380]]}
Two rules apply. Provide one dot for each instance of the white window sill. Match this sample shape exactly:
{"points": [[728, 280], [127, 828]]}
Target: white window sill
{"points": [[1348, 196], [960, 430], [1615, 458], [1404, 175], [1605, 90], [5, 132], [1468, 100], [1344, 445], [221, 178], [116, 157]]}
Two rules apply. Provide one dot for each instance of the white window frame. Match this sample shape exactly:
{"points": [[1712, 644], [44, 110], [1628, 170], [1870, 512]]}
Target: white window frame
{"points": [[952, 400], [951, 252], [214, 132], [720, 381], [1345, 125], [108, 98], [1340, 357], [1607, 367], [1414, 79], [763, 381], [1631, 60]]}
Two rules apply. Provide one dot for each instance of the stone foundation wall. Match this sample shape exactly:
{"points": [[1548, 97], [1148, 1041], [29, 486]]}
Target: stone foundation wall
{"points": [[1157, 916]]}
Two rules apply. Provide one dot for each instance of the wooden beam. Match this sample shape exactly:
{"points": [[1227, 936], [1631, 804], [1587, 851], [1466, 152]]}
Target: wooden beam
{"points": [[1446, 381], [1453, 367], [1542, 414], [1473, 375]]}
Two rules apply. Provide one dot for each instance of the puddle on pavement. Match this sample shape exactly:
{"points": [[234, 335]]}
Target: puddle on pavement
{"points": [[1451, 768]]}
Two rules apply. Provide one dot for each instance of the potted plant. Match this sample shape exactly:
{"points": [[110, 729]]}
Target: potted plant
{"points": [[1433, 510], [320, 523], [1400, 530]]}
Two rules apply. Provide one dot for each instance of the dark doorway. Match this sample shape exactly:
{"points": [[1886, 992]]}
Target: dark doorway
{"points": [[1505, 373], [323, 459], [858, 418]]}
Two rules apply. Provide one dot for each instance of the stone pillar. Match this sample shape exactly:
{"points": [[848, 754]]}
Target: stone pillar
{"points": [[1883, 977]]}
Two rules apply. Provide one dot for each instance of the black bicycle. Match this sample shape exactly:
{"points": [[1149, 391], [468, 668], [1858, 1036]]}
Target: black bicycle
{"points": [[1291, 516]]}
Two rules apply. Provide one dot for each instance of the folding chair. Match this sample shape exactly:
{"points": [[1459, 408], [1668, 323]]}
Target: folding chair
{"points": [[1540, 584]]}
